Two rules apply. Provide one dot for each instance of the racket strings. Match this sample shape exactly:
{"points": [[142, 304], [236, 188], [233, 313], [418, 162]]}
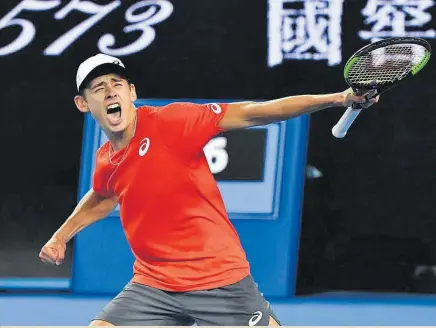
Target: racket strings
{"points": [[387, 64]]}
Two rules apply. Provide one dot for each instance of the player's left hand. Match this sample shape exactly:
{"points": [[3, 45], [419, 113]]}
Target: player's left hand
{"points": [[365, 100], [53, 251]]}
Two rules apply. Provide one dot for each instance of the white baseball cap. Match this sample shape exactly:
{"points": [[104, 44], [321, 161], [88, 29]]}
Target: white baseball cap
{"points": [[90, 65]]}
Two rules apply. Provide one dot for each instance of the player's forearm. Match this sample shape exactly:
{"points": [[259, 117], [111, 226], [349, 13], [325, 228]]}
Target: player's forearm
{"points": [[288, 107], [89, 210]]}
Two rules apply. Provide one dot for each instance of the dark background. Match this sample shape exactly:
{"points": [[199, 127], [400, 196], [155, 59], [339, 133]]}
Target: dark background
{"points": [[367, 223], [246, 151]]}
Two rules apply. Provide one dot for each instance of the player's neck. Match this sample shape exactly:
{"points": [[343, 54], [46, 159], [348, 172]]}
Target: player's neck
{"points": [[121, 139]]}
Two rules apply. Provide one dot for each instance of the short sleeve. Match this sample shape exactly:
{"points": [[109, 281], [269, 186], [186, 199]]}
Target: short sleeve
{"points": [[100, 187], [190, 126], [101, 176]]}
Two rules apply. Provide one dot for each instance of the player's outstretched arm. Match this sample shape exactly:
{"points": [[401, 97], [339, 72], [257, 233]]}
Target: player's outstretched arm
{"points": [[246, 114], [91, 208]]}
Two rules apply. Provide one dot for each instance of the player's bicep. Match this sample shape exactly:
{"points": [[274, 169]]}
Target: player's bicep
{"points": [[94, 206], [246, 114], [107, 205]]}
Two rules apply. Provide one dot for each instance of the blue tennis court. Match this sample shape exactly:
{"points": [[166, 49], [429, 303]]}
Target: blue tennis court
{"points": [[337, 309]]}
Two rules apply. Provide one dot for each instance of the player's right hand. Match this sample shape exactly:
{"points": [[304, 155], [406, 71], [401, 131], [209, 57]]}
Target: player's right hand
{"points": [[365, 100], [53, 251]]}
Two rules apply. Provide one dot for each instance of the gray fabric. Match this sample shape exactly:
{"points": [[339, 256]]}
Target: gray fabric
{"points": [[139, 305], [239, 304]]}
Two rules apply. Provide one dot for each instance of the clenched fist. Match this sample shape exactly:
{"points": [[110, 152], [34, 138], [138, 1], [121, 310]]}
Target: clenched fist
{"points": [[53, 251]]}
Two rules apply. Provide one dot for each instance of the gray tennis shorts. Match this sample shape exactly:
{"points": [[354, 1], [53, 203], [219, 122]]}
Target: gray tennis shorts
{"points": [[239, 304]]}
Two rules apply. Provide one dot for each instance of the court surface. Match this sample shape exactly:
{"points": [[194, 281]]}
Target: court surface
{"points": [[324, 309]]}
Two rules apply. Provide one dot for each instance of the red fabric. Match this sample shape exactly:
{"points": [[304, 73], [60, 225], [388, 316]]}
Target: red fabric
{"points": [[170, 206]]}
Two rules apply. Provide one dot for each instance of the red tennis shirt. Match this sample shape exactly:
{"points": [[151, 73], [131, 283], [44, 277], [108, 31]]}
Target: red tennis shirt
{"points": [[171, 209]]}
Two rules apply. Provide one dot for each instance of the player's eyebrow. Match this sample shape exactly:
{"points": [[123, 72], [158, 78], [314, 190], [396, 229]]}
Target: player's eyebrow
{"points": [[114, 79], [97, 85]]}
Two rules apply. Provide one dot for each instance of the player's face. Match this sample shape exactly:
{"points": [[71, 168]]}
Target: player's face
{"points": [[110, 99]]}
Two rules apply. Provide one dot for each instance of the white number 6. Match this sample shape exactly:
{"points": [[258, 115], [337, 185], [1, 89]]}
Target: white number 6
{"points": [[158, 11], [216, 154]]}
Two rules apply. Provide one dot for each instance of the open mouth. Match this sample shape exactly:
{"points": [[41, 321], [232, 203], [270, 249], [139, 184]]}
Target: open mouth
{"points": [[114, 113]]}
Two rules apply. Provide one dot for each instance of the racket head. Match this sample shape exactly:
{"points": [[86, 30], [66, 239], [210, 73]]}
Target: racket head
{"points": [[384, 64]]}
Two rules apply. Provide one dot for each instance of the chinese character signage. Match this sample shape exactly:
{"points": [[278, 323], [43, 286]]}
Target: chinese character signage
{"points": [[307, 30], [312, 29], [397, 18]]}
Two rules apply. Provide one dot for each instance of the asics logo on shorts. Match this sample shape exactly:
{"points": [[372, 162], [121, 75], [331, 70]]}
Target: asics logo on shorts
{"points": [[144, 145], [254, 320]]}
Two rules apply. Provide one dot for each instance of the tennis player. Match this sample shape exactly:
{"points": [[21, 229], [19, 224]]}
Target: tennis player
{"points": [[189, 265]]}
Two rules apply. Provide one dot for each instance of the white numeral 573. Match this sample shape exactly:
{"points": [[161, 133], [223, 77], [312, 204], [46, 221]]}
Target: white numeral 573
{"points": [[155, 12]]}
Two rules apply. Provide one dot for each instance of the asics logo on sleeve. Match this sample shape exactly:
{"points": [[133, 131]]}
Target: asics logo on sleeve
{"points": [[214, 107]]}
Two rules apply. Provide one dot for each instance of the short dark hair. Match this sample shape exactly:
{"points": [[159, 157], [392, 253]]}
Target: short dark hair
{"points": [[103, 70]]}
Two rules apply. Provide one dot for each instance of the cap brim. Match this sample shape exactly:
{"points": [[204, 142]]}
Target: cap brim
{"points": [[103, 70]]}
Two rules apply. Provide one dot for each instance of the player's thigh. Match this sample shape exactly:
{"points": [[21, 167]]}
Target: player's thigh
{"points": [[99, 323], [139, 305], [273, 321], [239, 304]]}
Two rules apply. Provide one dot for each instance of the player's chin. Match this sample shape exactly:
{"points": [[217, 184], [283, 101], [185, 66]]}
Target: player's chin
{"points": [[116, 128]]}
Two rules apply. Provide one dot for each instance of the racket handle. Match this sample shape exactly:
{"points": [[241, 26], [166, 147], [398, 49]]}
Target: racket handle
{"points": [[341, 128]]}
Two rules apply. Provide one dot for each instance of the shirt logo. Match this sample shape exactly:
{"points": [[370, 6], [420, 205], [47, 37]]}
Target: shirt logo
{"points": [[144, 145], [254, 320], [214, 107]]}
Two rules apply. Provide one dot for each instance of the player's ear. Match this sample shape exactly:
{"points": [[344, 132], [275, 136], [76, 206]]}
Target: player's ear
{"points": [[81, 103], [133, 95]]}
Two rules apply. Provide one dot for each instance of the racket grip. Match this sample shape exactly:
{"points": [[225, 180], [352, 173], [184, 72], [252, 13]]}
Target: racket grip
{"points": [[344, 123]]}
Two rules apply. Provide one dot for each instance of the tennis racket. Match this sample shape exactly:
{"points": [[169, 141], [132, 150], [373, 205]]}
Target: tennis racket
{"points": [[378, 67]]}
